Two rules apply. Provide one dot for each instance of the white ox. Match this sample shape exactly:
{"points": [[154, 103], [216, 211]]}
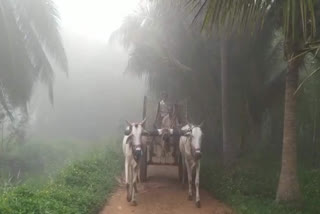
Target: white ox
{"points": [[190, 148], [166, 126], [168, 123], [132, 149]]}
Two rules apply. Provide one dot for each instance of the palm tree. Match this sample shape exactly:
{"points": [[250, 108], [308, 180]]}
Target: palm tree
{"points": [[226, 26], [149, 46], [172, 57], [29, 40], [298, 28]]}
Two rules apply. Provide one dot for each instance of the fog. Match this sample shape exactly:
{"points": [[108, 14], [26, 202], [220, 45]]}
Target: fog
{"points": [[242, 100], [95, 98]]}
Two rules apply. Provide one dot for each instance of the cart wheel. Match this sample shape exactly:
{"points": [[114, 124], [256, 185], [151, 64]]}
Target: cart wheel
{"points": [[180, 167], [143, 165]]}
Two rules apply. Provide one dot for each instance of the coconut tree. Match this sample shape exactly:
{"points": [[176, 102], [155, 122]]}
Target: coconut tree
{"points": [[226, 25], [298, 27], [172, 57], [29, 41], [166, 27], [141, 33]]}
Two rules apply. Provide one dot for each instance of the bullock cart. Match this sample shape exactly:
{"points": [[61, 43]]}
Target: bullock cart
{"points": [[162, 147]]}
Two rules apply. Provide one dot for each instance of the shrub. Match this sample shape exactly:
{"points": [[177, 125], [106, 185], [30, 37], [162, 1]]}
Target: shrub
{"points": [[250, 187]]}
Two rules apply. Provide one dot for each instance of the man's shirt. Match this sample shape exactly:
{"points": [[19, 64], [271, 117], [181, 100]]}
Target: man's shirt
{"points": [[164, 109]]}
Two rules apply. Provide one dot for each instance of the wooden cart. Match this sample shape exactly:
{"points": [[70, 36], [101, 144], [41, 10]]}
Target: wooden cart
{"points": [[151, 139]]}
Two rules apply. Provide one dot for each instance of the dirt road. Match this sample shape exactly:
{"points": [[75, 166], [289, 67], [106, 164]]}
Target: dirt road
{"points": [[162, 194]]}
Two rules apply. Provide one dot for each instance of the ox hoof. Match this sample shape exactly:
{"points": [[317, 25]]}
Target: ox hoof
{"points": [[198, 204], [134, 203], [128, 198], [190, 197]]}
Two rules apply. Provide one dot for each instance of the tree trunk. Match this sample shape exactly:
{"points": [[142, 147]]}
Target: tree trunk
{"points": [[228, 148], [288, 186]]}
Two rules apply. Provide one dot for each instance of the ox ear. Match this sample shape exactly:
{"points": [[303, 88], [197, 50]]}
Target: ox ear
{"points": [[128, 131], [171, 131], [186, 132], [159, 131]]}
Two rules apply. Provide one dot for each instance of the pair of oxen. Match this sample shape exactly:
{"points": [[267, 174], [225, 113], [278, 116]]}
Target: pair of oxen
{"points": [[189, 145]]}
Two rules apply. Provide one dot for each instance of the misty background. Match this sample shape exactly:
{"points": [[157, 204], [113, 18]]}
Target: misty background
{"points": [[95, 98], [248, 69]]}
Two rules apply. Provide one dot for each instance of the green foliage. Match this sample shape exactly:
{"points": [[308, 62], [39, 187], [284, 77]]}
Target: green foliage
{"points": [[38, 158], [308, 115], [250, 186], [229, 16], [310, 180], [82, 187]]}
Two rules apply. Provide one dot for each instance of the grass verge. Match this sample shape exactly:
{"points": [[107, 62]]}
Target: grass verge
{"points": [[250, 187], [80, 188]]}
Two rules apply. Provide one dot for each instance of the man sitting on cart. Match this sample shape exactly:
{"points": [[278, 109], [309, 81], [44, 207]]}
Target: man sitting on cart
{"points": [[163, 109]]}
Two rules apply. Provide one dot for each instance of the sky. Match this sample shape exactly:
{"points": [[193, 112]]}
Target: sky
{"points": [[93, 19]]}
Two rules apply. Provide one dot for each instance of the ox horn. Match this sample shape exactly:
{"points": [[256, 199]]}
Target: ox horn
{"points": [[201, 124], [189, 124], [128, 123], [144, 121]]}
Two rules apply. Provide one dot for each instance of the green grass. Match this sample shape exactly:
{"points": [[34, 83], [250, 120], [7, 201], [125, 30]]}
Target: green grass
{"points": [[38, 160], [250, 187], [81, 187]]}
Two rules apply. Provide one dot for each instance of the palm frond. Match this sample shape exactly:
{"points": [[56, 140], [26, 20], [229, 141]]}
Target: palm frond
{"points": [[38, 58], [230, 16], [43, 16], [143, 31], [299, 21], [4, 103], [16, 69], [30, 35]]}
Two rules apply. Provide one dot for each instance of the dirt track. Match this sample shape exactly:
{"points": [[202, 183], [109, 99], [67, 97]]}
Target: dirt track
{"points": [[162, 194]]}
